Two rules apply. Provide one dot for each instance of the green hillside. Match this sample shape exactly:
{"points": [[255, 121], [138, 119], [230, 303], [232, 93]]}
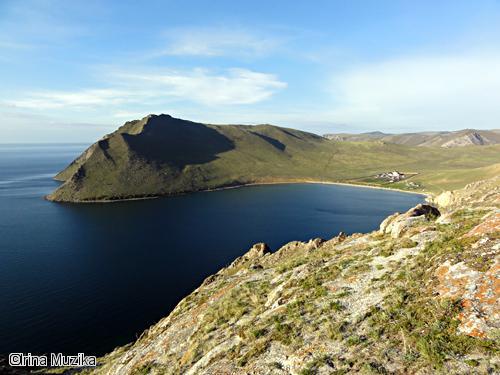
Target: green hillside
{"points": [[162, 155]]}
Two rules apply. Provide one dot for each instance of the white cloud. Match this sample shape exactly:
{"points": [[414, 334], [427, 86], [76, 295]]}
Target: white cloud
{"points": [[236, 86], [73, 99], [425, 92], [217, 42]]}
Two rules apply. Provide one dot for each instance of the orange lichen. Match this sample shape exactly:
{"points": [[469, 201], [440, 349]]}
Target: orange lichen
{"points": [[479, 293], [490, 225]]}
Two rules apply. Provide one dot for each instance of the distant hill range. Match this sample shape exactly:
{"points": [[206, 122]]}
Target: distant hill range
{"points": [[448, 139], [161, 155]]}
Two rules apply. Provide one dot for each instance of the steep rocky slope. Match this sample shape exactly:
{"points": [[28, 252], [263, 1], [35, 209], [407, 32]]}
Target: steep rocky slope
{"points": [[162, 155], [420, 295]]}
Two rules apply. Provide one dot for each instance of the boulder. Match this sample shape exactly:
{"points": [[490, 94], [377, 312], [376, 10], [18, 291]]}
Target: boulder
{"points": [[425, 237], [430, 212], [397, 223]]}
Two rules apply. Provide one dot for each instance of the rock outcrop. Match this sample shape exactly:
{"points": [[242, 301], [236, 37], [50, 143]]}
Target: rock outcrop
{"points": [[468, 139], [397, 223], [257, 251], [479, 193]]}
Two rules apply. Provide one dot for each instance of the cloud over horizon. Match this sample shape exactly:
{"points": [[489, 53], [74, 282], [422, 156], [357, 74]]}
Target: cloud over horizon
{"points": [[451, 91], [232, 87]]}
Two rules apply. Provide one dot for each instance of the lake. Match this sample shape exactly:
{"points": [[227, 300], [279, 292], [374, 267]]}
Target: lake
{"points": [[89, 277]]}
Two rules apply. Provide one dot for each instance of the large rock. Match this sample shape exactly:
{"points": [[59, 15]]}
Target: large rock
{"points": [[397, 224], [430, 212], [386, 225]]}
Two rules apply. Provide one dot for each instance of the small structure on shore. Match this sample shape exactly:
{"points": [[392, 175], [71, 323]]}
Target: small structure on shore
{"points": [[393, 176]]}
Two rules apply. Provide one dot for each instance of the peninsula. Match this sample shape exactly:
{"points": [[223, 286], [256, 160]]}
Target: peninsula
{"points": [[160, 155]]}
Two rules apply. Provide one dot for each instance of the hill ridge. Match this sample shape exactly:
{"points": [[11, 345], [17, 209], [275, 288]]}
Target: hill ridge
{"points": [[160, 155], [447, 139]]}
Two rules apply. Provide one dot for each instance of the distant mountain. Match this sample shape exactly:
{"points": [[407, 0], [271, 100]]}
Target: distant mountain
{"points": [[162, 155], [466, 137]]}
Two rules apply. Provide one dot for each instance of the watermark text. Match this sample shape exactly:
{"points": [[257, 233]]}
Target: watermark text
{"points": [[52, 360]]}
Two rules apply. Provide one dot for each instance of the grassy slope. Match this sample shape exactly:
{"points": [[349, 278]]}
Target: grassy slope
{"points": [[160, 155]]}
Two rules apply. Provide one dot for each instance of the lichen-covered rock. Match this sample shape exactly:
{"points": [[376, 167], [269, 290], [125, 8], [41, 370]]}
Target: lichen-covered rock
{"points": [[479, 293], [491, 224]]}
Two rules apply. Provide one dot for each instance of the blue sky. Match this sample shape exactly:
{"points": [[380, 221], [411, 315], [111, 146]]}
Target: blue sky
{"points": [[71, 71]]}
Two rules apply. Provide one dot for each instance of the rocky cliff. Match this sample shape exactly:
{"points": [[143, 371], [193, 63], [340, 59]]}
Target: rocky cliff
{"points": [[420, 295]]}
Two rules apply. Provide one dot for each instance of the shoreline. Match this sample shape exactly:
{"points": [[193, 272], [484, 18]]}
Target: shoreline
{"points": [[426, 195]]}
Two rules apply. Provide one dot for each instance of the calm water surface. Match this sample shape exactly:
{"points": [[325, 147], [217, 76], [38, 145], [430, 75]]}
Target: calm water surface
{"points": [[87, 278]]}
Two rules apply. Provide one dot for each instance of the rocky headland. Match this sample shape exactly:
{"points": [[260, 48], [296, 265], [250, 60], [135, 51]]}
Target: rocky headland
{"points": [[419, 295]]}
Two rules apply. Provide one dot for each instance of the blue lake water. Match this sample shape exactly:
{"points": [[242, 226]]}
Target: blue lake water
{"points": [[87, 278]]}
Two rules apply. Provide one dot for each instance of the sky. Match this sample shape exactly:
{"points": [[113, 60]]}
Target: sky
{"points": [[72, 71]]}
